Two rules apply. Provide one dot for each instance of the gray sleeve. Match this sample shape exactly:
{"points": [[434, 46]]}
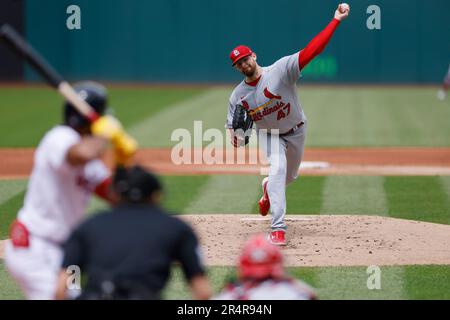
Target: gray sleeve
{"points": [[288, 68], [229, 122]]}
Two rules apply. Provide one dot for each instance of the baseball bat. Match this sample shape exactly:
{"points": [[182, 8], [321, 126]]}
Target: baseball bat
{"points": [[53, 78]]}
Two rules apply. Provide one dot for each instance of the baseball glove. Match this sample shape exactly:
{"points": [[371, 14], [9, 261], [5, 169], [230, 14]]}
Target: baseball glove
{"points": [[242, 124]]}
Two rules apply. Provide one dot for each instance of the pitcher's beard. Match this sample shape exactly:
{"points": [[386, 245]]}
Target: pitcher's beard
{"points": [[250, 73]]}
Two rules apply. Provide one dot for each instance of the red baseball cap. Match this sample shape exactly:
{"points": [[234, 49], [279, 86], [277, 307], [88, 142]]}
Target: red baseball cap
{"points": [[239, 52]]}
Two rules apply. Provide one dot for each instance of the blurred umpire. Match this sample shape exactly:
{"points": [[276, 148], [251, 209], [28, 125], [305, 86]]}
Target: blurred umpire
{"points": [[127, 252]]}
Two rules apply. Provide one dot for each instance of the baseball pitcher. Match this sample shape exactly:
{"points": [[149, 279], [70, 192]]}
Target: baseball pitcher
{"points": [[268, 95], [67, 170]]}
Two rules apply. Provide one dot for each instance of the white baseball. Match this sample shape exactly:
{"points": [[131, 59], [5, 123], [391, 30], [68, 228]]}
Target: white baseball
{"points": [[344, 7]]}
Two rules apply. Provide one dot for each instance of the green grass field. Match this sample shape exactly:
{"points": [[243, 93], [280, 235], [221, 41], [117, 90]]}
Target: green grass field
{"points": [[337, 117]]}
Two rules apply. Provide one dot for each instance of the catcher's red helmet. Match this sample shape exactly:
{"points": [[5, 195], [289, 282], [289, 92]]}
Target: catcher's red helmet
{"points": [[260, 259]]}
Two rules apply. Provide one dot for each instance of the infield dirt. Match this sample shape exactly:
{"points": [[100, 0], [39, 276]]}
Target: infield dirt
{"points": [[328, 240]]}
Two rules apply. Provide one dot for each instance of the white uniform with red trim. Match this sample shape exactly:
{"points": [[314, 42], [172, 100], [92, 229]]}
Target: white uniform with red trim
{"points": [[273, 104], [271, 289], [56, 200]]}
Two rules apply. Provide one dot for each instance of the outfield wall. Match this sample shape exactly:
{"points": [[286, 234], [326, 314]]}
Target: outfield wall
{"points": [[184, 41]]}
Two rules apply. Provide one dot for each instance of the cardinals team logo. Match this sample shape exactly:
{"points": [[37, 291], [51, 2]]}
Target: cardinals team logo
{"points": [[236, 53], [270, 95]]}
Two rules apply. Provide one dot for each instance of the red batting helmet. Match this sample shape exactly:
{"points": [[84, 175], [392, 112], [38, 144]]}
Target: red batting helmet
{"points": [[260, 259]]}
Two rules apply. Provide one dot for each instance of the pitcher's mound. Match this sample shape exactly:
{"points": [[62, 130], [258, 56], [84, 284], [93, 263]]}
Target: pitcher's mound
{"points": [[328, 240]]}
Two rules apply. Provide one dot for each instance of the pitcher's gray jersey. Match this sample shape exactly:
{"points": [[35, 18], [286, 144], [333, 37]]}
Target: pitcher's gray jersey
{"points": [[273, 103]]}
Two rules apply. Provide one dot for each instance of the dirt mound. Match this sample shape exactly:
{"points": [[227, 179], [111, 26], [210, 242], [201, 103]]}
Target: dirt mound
{"points": [[329, 240]]}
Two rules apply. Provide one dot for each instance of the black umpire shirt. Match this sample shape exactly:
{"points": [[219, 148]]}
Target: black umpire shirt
{"points": [[127, 252]]}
